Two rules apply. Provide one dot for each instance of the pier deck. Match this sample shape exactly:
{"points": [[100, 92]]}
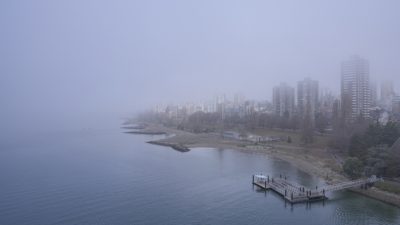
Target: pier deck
{"points": [[296, 193]]}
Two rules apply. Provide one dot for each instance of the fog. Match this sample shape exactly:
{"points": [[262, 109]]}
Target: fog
{"points": [[64, 62]]}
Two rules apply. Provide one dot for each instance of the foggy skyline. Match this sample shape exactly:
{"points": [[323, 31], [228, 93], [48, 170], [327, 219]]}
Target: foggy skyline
{"points": [[79, 58]]}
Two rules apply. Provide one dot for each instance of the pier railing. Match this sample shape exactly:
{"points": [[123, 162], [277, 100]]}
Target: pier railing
{"points": [[294, 192]]}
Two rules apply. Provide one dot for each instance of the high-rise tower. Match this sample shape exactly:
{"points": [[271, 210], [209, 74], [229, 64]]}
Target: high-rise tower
{"points": [[355, 89], [283, 100], [307, 98]]}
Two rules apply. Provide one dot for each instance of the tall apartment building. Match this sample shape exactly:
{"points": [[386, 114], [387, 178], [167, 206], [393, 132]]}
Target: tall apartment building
{"points": [[307, 98], [387, 90], [355, 89], [326, 102], [374, 94], [238, 99], [387, 95], [219, 105], [283, 100]]}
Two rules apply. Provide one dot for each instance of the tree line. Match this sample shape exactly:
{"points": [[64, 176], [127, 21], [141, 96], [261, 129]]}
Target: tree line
{"points": [[372, 152]]}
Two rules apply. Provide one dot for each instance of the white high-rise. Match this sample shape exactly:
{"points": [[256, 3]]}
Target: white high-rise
{"points": [[387, 95], [307, 98], [387, 90], [355, 89], [283, 100]]}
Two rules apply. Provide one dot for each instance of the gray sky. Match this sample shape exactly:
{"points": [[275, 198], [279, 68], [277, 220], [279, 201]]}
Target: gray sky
{"points": [[77, 58]]}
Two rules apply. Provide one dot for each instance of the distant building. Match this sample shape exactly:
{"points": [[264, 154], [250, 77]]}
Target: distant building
{"points": [[374, 94], [238, 99], [231, 135], [387, 95], [219, 102], [355, 89], [307, 98], [387, 90], [326, 103], [396, 104], [336, 109], [283, 100]]}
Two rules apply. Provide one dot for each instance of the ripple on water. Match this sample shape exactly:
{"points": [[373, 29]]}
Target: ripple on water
{"points": [[135, 183]]}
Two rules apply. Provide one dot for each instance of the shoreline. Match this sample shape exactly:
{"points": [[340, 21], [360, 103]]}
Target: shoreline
{"points": [[178, 147], [145, 132], [309, 160], [303, 161]]}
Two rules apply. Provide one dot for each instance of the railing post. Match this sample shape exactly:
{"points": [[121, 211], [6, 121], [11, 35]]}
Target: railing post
{"points": [[253, 178]]}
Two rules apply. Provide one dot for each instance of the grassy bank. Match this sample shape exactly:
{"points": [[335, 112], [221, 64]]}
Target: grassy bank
{"points": [[319, 140], [389, 186]]}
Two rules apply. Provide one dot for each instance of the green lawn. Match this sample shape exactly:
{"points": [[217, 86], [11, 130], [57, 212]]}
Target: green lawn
{"points": [[389, 186], [319, 141]]}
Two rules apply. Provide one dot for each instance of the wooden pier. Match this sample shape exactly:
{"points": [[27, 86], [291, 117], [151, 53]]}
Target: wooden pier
{"points": [[296, 193]]}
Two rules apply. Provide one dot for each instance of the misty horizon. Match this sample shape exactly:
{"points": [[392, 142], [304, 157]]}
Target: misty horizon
{"points": [[77, 59]]}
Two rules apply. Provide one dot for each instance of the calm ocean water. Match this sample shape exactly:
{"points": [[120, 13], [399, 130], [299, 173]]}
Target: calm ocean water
{"points": [[105, 176]]}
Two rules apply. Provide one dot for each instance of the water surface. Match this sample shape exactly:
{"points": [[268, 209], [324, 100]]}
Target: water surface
{"points": [[104, 176]]}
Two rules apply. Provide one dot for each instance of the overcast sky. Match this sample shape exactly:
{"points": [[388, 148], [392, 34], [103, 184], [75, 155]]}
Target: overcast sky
{"points": [[77, 58]]}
